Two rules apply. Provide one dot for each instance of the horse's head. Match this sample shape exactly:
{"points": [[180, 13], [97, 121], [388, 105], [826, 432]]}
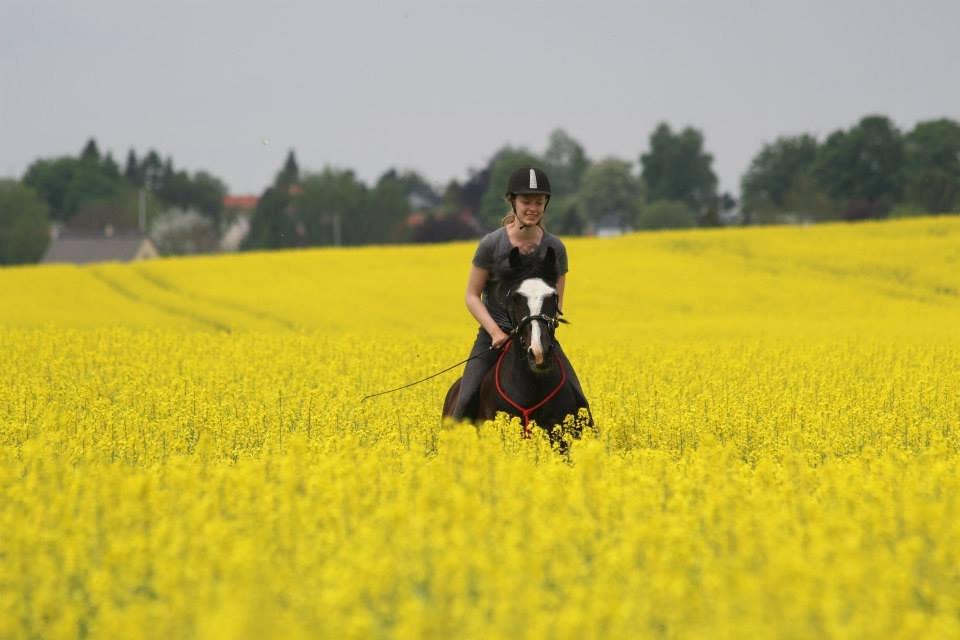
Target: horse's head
{"points": [[533, 305]]}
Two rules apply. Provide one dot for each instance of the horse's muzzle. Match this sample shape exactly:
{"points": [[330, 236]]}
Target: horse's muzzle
{"points": [[541, 364]]}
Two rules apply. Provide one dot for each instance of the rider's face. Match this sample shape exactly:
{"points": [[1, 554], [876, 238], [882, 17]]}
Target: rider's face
{"points": [[530, 207]]}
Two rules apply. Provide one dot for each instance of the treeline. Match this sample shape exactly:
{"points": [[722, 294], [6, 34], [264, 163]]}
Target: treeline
{"points": [[92, 192], [870, 170], [675, 188]]}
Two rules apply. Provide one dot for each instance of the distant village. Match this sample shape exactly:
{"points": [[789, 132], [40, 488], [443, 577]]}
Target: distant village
{"points": [[89, 208]]}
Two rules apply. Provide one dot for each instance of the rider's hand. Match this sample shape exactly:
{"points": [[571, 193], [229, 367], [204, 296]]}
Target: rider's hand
{"points": [[499, 338]]}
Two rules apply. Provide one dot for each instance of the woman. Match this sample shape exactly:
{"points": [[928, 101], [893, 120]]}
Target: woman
{"points": [[528, 191]]}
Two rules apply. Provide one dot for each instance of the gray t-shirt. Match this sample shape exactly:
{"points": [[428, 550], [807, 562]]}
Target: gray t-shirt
{"points": [[493, 254]]}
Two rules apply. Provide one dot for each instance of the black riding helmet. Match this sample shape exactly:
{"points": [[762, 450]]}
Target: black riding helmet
{"points": [[527, 180]]}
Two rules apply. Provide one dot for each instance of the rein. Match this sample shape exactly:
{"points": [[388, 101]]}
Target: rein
{"points": [[374, 395], [550, 320], [527, 411]]}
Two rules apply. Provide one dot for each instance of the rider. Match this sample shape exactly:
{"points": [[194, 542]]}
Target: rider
{"points": [[528, 192]]}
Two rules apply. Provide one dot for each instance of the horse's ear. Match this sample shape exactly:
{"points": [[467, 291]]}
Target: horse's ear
{"points": [[515, 262], [550, 265]]}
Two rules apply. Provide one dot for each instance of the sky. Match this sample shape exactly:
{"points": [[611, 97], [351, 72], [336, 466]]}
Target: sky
{"points": [[229, 86]]}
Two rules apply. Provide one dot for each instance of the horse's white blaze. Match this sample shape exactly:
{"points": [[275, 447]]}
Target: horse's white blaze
{"points": [[535, 291]]}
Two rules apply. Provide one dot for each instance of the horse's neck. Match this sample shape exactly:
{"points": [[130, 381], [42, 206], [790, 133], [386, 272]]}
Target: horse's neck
{"points": [[522, 384]]}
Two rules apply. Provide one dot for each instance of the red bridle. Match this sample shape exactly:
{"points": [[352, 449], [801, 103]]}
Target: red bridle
{"points": [[526, 411]]}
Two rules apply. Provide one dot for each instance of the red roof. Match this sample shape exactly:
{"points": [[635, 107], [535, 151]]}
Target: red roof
{"points": [[416, 219], [246, 203]]}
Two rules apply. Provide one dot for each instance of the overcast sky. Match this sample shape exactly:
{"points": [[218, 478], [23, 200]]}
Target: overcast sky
{"points": [[439, 86]]}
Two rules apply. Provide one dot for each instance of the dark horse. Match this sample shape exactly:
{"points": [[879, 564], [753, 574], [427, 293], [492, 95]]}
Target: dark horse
{"points": [[530, 379]]}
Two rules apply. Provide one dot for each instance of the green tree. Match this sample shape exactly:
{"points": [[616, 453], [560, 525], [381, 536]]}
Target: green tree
{"points": [[90, 152], [805, 201], [493, 205], [932, 166], [610, 190], [206, 195], [88, 182], [863, 167], [274, 222], [118, 210], [24, 224], [678, 168], [773, 172], [51, 179], [416, 190], [389, 204], [131, 169], [110, 167], [290, 173], [334, 209], [175, 188], [566, 162], [666, 214], [471, 192], [152, 169]]}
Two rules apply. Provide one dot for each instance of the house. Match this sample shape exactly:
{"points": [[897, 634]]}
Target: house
{"points": [[240, 204], [610, 225], [238, 212], [82, 247]]}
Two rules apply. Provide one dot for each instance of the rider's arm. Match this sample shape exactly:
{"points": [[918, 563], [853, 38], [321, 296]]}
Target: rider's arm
{"points": [[561, 283], [478, 279]]}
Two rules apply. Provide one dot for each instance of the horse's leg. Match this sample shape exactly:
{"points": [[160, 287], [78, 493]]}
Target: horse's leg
{"points": [[450, 401], [487, 398], [580, 398]]}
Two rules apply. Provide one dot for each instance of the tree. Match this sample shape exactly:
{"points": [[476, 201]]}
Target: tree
{"points": [[174, 187], [131, 169], [415, 189], [494, 206], [666, 214], [932, 166], [151, 170], [90, 190], [389, 204], [118, 210], [90, 152], [88, 181], [273, 224], [290, 173], [51, 179], [804, 202], [206, 195], [110, 167], [444, 228], [610, 191], [863, 167], [472, 191], [333, 209], [774, 170], [67, 183], [567, 216], [183, 232], [24, 225], [678, 168], [566, 162]]}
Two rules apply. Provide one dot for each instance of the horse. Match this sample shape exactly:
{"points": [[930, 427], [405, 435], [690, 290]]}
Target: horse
{"points": [[529, 379]]}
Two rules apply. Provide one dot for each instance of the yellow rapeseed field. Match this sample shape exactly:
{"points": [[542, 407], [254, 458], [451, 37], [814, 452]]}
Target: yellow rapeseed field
{"points": [[183, 453]]}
